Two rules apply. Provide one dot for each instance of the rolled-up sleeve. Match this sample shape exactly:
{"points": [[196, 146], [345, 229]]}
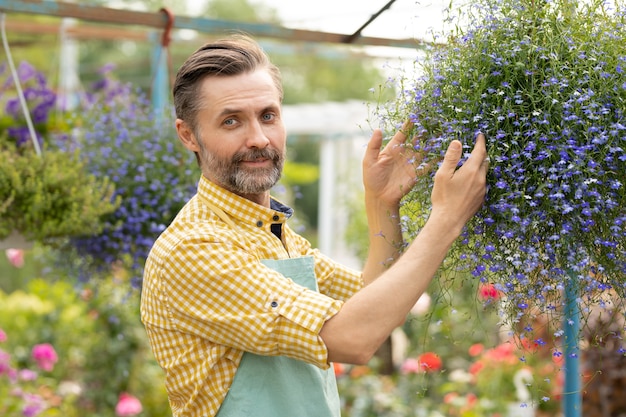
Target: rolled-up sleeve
{"points": [[236, 301]]}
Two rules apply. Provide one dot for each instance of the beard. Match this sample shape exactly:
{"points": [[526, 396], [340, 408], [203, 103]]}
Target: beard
{"points": [[230, 174]]}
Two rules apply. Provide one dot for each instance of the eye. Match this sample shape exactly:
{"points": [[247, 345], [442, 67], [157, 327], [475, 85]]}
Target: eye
{"points": [[229, 122], [268, 117]]}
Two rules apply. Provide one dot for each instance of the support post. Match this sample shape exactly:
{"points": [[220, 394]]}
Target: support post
{"points": [[572, 395], [326, 235], [160, 76]]}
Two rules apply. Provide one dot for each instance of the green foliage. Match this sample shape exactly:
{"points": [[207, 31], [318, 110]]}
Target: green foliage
{"points": [[315, 78], [50, 196], [241, 11], [300, 173]]}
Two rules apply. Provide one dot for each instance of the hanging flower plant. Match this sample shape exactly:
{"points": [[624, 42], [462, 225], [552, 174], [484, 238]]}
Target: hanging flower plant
{"points": [[46, 193], [546, 82]]}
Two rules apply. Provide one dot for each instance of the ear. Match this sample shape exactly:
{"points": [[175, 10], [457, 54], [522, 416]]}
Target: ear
{"points": [[186, 136]]}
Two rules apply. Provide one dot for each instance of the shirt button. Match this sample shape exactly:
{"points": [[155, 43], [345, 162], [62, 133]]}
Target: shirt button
{"points": [[275, 218], [259, 223], [274, 304]]}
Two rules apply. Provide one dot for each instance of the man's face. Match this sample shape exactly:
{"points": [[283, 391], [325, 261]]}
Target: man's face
{"points": [[239, 133]]}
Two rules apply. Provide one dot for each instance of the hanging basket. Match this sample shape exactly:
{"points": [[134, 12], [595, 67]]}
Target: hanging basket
{"points": [[15, 241]]}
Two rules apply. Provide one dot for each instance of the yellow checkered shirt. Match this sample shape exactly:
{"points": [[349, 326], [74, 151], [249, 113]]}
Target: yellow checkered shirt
{"points": [[206, 298]]}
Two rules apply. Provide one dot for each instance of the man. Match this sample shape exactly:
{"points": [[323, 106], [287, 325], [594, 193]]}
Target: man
{"points": [[242, 314]]}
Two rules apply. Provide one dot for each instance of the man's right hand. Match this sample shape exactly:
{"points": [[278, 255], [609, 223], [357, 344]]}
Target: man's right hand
{"points": [[458, 193]]}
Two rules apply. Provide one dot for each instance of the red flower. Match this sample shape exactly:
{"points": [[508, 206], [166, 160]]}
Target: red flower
{"points": [[471, 399], [339, 368], [488, 292], [476, 367], [429, 362], [450, 397], [504, 352], [476, 349]]}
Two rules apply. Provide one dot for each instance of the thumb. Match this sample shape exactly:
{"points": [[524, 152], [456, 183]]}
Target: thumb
{"points": [[451, 158]]}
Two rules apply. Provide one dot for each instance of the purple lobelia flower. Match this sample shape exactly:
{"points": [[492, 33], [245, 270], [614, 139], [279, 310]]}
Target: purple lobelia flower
{"points": [[545, 82], [122, 138]]}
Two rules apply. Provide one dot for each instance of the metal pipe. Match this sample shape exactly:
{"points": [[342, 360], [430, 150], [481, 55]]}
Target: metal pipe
{"points": [[158, 20]]}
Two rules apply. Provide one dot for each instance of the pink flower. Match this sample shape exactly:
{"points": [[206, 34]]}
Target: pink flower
{"points": [[127, 405], [450, 397], [504, 352], [410, 366], [45, 356], [5, 366], [27, 375], [15, 257], [3, 336]]}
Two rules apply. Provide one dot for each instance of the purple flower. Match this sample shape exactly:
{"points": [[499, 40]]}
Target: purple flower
{"points": [[126, 142], [552, 111], [33, 405]]}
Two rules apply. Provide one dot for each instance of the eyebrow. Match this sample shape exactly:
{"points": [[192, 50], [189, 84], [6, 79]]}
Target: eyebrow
{"points": [[227, 111]]}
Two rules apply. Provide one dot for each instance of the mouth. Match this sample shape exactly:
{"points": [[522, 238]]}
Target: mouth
{"points": [[256, 162], [256, 159]]}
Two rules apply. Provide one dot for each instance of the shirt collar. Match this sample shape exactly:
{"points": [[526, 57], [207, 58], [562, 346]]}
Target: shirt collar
{"points": [[242, 209]]}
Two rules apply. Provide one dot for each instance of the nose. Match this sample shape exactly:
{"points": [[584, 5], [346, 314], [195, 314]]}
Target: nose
{"points": [[256, 136]]}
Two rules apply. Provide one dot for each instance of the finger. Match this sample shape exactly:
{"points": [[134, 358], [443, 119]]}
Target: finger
{"points": [[451, 158], [479, 153], [401, 135]]}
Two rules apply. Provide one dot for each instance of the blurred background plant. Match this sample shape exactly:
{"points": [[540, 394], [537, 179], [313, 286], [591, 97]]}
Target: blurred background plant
{"points": [[102, 356], [122, 137], [455, 357], [91, 318], [46, 193], [25, 387]]}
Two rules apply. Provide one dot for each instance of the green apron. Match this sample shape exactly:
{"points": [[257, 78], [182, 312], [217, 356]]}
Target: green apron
{"points": [[278, 386]]}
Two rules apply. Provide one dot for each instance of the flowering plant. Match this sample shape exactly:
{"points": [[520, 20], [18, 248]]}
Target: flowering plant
{"points": [[105, 374], [49, 194], [516, 374], [24, 390], [546, 82], [123, 138]]}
